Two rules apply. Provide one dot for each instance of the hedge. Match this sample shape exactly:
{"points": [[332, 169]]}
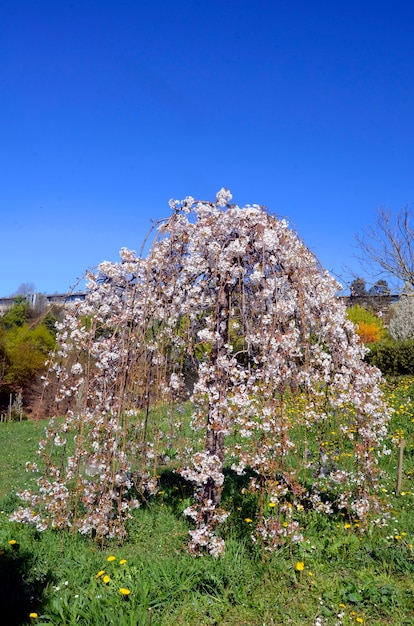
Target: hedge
{"points": [[392, 357]]}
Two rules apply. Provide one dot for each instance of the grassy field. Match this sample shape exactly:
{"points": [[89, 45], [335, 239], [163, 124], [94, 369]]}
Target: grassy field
{"points": [[337, 576]]}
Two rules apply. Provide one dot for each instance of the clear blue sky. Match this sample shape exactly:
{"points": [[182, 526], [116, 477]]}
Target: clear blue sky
{"points": [[110, 108]]}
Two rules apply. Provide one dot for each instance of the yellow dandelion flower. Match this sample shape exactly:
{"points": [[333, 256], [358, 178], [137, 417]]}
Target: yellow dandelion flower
{"points": [[122, 562], [342, 605], [359, 620], [300, 566], [106, 579], [12, 542], [33, 615], [100, 573], [111, 558], [248, 520], [347, 525], [124, 591], [272, 505], [160, 493]]}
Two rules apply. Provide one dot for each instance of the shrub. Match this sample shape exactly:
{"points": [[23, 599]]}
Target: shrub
{"points": [[402, 318], [369, 327], [369, 332], [392, 357], [25, 343]]}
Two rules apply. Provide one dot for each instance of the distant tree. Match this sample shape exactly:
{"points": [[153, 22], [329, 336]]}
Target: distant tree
{"points": [[25, 289], [3, 358], [50, 317], [388, 246], [17, 315], [380, 288], [26, 351], [358, 287], [25, 343], [38, 307]]}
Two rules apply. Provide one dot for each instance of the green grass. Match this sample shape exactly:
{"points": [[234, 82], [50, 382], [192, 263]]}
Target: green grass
{"points": [[18, 444], [358, 576]]}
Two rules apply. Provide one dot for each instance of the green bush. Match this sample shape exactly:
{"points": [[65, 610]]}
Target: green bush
{"points": [[393, 357], [27, 336]]}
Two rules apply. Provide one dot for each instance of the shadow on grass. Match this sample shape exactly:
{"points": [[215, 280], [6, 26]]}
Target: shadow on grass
{"points": [[170, 479], [235, 497], [20, 592]]}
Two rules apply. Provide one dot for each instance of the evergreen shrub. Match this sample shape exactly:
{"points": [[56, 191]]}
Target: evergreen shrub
{"points": [[392, 357]]}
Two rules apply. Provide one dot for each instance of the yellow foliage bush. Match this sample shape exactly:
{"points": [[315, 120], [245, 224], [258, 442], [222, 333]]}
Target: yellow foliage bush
{"points": [[369, 327], [369, 332]]}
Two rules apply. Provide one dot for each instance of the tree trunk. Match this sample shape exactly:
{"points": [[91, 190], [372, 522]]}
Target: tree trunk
{"points": [[215, 421]]}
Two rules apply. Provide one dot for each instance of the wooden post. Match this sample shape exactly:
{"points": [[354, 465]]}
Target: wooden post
{"points": [[400, 465]]}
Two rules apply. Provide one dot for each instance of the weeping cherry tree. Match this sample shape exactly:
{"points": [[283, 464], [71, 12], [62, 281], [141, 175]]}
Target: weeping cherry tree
{"points": [[232, 313]]}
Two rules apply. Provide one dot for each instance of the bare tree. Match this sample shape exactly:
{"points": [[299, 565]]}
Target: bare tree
{"points": [[387, 247], [25, 289]]}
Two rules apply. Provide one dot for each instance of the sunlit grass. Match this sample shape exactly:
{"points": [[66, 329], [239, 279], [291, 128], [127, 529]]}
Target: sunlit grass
{"points": [[339, 573]]}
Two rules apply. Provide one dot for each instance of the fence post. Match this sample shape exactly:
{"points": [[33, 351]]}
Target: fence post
{"points": [[400, 465]]}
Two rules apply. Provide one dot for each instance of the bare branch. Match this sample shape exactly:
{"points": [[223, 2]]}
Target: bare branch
{"points": [[387, 247]]}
